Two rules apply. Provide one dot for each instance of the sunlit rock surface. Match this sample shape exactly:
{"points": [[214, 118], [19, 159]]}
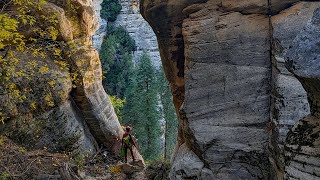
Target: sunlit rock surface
{"points": [[138, 28], [81, 117]]}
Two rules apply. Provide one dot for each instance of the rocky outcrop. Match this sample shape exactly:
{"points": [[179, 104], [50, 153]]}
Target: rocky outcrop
{"points": [[231, 118], [182, 167], [226, 74], [289, 98], [57, 128], [303, 141], [66, 108], [236, 101], [138, 28]]}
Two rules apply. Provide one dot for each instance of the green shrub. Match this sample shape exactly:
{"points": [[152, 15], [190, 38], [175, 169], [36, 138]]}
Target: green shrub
{"points": [[117, 104]]}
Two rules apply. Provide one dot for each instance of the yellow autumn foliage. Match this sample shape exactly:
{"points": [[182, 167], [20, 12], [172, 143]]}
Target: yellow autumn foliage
{"points": [[117, 104], [115, 169], [42, 45]]}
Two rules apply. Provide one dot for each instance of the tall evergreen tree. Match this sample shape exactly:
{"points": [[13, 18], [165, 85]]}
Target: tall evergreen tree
{"points": [[141, 89], [146, 86], [130, 110], [169, 115], [116, 60], [143, 113], [110, 9]]}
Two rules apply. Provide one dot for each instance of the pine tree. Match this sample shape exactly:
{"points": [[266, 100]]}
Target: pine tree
{"points": [[169, 115], [141, 108], [110, 9], [130, 110], [116, 60]]}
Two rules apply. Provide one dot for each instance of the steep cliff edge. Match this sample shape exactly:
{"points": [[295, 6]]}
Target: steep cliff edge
{"points": [[236, 101]]}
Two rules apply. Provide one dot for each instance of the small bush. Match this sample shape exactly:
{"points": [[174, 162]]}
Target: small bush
{"points": [[79, 160]]}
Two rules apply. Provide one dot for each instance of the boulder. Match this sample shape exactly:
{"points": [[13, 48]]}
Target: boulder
{"points": [[187, 165], [132, 167]]}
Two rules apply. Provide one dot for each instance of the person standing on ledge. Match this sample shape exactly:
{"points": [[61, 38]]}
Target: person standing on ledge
{"points": [[127, 143]]}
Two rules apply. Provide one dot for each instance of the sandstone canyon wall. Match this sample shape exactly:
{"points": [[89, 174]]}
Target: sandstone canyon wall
{"points": [[302, 148], [98, 36], [236, 101], [225, 61], [81, 117], [139, 29]]}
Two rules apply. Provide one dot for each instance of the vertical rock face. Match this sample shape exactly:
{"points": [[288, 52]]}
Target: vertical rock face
{"points": [[98, 36], [227, 91], [145, 39], [289, 97], [303, 141], [224, 59], [81, 117], [89, 95], [236, 101]]}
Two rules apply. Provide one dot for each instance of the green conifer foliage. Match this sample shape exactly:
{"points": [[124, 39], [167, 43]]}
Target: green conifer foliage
{"points": [[142, 111], [169, 115], [130, 110], [140, 88], [116, 59], [110, 9]]}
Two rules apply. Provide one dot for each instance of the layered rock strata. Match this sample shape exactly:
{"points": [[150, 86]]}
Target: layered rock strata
{"points": [[236, 101], [303, 141], [71, 111], [138, 28], [289, 97], [98, 36]]}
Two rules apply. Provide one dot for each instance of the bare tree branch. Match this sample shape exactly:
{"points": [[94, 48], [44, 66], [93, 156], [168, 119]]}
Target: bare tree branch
{"points": [[6, 5]]}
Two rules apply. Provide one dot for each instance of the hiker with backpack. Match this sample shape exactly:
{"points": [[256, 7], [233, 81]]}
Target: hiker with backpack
{"points": [[127, 143]]}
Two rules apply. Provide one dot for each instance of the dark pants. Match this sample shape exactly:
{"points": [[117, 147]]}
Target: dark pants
{"points": [[126, 151]]}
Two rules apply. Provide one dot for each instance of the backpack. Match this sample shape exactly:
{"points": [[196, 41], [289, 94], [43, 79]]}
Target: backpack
{"points": [[127, 141]]}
